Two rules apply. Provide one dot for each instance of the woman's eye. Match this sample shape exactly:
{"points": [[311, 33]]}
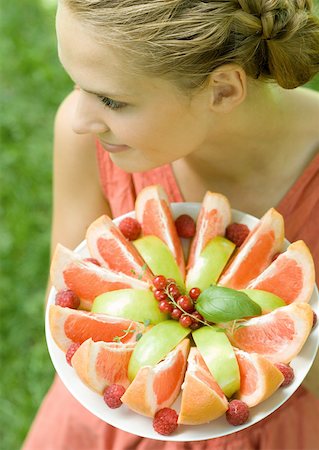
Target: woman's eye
{"points": [[112, 104]]}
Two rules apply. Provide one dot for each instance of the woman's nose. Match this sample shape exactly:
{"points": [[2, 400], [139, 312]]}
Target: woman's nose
{"points": [[88, 115]]}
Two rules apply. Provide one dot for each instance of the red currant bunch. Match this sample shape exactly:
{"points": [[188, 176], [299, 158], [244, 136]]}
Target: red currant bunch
{"points": [[178, 306]]}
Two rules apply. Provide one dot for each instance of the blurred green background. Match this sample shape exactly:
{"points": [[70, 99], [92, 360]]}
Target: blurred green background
{"points": [[32, 86]]}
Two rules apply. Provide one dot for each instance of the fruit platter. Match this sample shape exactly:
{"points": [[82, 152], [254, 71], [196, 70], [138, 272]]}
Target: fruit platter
{"points": [[183, 321]]}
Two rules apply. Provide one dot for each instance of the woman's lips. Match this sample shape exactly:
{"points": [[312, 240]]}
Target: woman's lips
{"points": [[114, 148]]}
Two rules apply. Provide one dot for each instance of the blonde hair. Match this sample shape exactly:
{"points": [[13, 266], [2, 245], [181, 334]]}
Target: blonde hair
{"points": [[185, 40]]}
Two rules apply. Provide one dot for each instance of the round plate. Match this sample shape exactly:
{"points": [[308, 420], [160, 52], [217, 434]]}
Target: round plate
{"points": [[129, 421]]}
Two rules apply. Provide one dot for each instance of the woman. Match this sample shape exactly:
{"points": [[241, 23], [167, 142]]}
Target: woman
{"points": [[195, 95]]}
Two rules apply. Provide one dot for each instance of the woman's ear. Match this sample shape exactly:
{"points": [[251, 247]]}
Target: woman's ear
{"points": [[228, 87]]}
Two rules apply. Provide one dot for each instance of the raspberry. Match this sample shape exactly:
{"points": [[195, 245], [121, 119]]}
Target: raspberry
{"points": [[288, 373], [131, 228], [70, 352], [237, 413], [237, 233], [165, 421], [67, 299], [275, 256], [112, 395], [314, 320], [185, 226]]}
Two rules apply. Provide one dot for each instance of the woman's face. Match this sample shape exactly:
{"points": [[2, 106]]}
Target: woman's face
{"points": [[147, 120]]}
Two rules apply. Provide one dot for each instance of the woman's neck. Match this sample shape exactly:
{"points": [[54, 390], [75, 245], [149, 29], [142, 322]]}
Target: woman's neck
{"points": [[246, 139], [253, 154]]}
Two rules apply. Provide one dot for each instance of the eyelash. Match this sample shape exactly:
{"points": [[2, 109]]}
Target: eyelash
{"points": [[111, 104]]}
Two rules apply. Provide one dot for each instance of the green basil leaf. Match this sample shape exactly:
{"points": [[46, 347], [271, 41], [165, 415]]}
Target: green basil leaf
{"points": [[220, 304]]}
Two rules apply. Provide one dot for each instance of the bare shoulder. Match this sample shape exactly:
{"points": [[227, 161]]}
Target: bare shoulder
{"points": [[77, 195]]}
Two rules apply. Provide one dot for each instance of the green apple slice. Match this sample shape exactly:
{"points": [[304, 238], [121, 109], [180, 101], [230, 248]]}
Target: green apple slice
{"points": [[134, 304], [219, 356], [210, 263], [159, 258], [266, 300], [155, 345]]}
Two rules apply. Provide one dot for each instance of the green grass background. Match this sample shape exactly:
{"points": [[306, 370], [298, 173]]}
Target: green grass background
{"points": [[32, 86]]}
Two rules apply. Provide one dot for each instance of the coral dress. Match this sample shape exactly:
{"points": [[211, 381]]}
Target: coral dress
{"points": [[63, 424]]}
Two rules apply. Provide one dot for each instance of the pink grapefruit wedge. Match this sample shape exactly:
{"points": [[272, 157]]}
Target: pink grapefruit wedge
{"points": [[279, 335], [291, 276], [157, 387], [153, 211], [86, 279], [100, 364], [108, 245], [259, 377], [68, 326], [202, 398], [213, 218], [256, 253]]}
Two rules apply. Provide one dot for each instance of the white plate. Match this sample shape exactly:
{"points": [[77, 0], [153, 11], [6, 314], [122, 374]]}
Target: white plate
{"points": [[131, 422]]}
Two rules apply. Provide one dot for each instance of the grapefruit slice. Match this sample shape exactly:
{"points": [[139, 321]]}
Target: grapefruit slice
{"points": [[153, 211], [202, 398], [100, 364], [86, 279], [279, 335], [71, 325], [213, 218], [257, 251], [259, 377], [291, 276], [157, 387], [109, 246]]}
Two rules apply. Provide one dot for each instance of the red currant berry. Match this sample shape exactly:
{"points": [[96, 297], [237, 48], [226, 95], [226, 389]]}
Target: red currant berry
{"points": [[170, 280], [160, 282], [160, 295], [165, 307], [198, 316], [185, 303], [194, 293], [174, 291], [93, 261], [185, 321], [176, 314], [195, 325]]}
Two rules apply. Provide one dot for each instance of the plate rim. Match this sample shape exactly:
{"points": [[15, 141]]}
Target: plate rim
{"points": [[183, 433]]}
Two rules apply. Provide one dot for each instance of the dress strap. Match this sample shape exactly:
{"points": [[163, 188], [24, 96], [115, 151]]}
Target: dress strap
{"points": [[300, 208], [163, 175], [117, 185], [120, 188]]}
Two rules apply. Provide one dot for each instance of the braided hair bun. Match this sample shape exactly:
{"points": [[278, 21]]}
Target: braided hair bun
{"points": [[286, 39]]}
